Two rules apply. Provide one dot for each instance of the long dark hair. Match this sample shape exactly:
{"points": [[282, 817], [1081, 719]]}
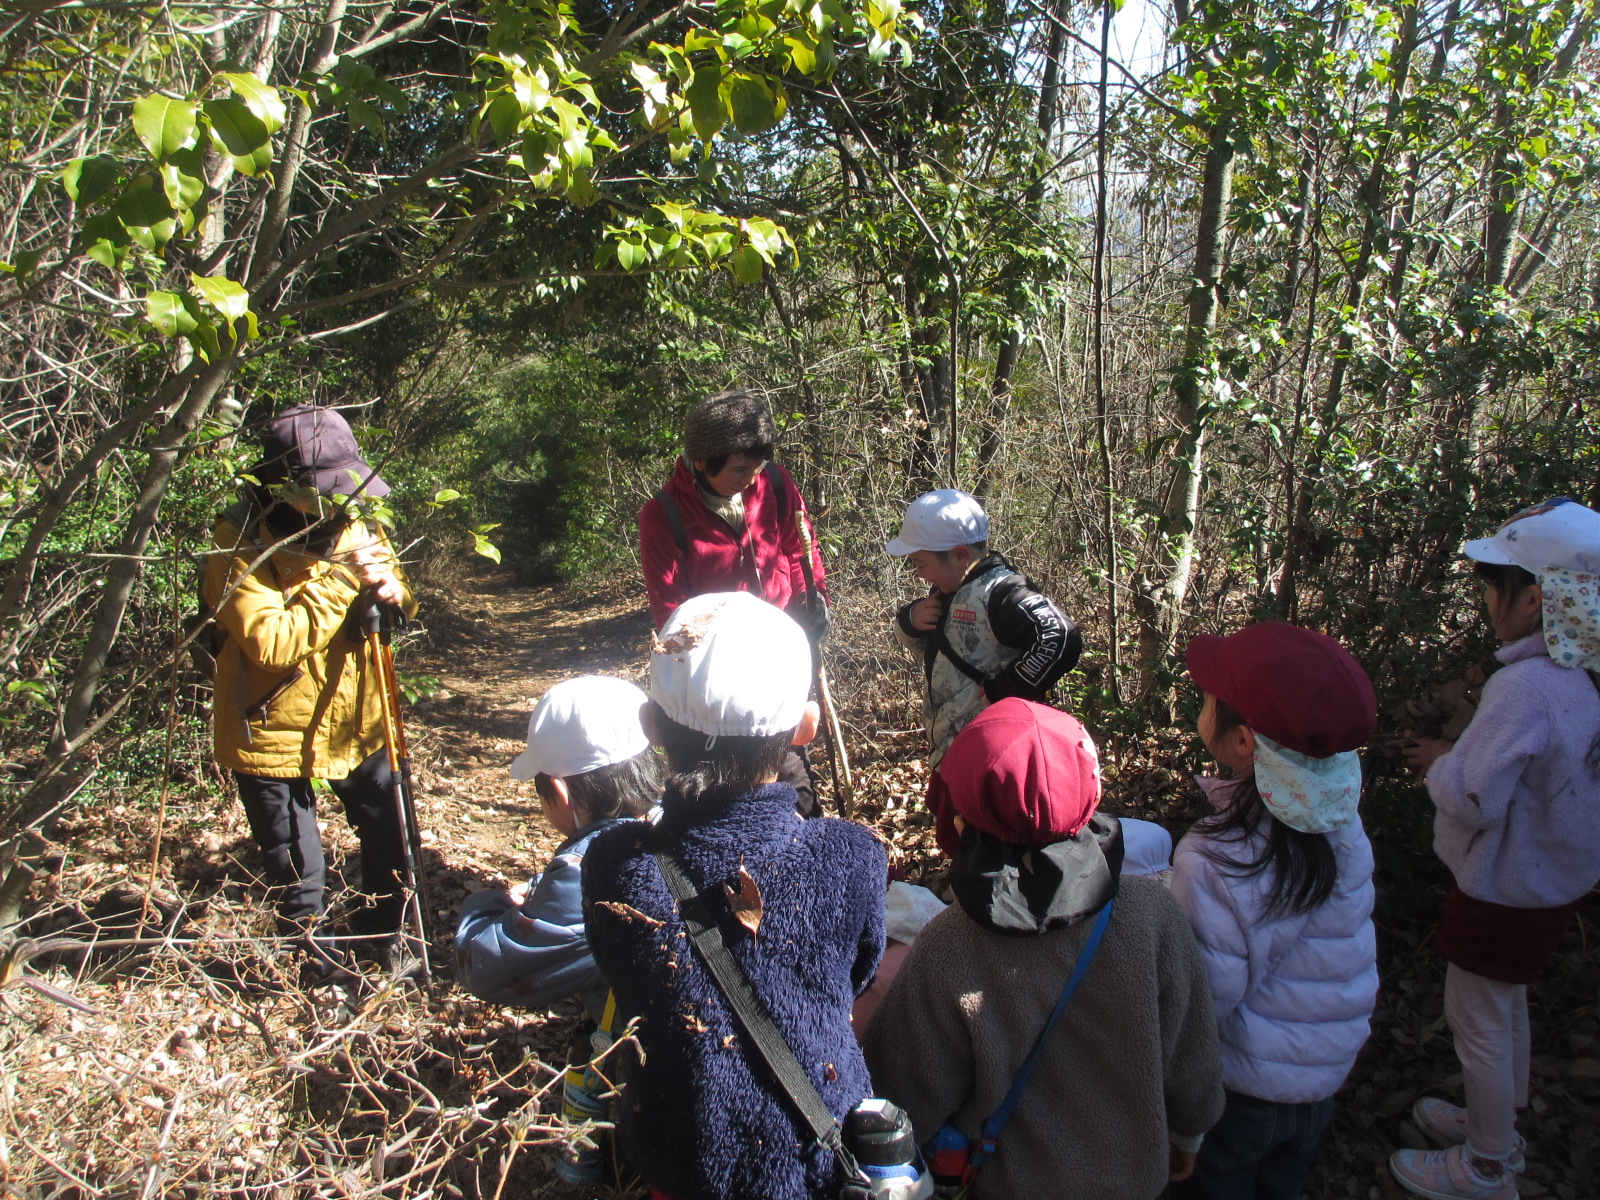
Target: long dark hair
{"points": [[1508, 581], [1303, 865], [699, 763]]}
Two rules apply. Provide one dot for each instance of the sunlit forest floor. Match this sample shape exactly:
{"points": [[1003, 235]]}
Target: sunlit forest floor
{"points": [[200, 1065]]}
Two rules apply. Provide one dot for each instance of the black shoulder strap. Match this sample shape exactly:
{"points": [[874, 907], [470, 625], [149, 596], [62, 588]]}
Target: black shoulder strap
{"points": [[780, 494], [941, 642], [674, 519], [751, 1013]]}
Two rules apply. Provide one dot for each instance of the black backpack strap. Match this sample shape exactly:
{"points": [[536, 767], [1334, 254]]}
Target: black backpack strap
{"points": [[780, 494], [941, 643], [750, 1011], [674, 519]]}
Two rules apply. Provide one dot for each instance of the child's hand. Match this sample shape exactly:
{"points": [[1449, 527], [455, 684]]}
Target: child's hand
{"points": [[1180, 1163], [926, 613], [1421, 753], [518, 894]]}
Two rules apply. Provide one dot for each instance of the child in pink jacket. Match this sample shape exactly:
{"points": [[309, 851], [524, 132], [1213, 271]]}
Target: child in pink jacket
{"points": [[1518, 824]]}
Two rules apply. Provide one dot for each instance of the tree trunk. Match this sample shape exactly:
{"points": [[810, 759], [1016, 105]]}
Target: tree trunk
{"points": [[1161, 593], [1108, 494], [164, 453], [1375, 224]]}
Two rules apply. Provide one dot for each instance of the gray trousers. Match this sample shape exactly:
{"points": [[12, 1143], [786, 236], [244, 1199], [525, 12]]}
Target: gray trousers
{"points": [[283, 820]]}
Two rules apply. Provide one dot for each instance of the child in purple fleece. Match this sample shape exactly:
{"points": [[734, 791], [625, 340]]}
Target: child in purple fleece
{"points": [[701, 1119], [1518, 824]]}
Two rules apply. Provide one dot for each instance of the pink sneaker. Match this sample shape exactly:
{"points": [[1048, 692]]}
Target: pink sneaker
{"points": [[1445, 1125], [1451, 1175]]}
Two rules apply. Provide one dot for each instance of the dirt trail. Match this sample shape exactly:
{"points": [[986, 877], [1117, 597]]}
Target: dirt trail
{"points": [[494, 647]]}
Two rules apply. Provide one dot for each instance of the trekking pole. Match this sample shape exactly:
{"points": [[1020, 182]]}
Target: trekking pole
{"points": [[833, 732], [378, 625]]}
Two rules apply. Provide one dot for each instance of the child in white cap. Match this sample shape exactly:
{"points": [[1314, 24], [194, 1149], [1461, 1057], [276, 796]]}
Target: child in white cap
{"points": [[593, 768], [984, 631], [1518, 824], [800, 903]]}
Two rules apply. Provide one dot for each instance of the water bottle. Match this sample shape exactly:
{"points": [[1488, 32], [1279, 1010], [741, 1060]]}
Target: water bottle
{"points": [[581, 1102], [949, 1152], [879, 1134]]}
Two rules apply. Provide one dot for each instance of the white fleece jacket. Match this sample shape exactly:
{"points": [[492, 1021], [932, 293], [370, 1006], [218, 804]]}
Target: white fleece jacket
{"points": [[1519, 813], [1293, 993]]}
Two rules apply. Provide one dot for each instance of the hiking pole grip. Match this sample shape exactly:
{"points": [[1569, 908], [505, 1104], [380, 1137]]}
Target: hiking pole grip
{"points": [[833, 731]]}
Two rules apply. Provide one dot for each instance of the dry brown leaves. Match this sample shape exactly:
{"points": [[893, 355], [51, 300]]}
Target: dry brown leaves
{"points": [[209, 1070]]}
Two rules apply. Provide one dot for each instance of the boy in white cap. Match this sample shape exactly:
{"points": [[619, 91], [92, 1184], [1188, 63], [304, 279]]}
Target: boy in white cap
{"points": [[593, 768], [800, 903], [984, 631]]}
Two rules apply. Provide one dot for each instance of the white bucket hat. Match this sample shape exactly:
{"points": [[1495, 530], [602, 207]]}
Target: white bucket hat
{"points": [[581, 725], [940, 520], [729, 665], [1558, 533], [1559, 543]]}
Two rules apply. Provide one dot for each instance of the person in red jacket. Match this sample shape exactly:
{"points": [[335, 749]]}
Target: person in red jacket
{"points": [[725, 522]]}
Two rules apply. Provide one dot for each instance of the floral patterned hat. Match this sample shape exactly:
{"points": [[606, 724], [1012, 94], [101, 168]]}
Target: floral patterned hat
{"points": [[1558, 542]]}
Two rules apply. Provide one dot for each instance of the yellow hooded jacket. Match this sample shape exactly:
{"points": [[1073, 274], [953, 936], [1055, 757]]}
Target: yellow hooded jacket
{"points": [[294, 697]]}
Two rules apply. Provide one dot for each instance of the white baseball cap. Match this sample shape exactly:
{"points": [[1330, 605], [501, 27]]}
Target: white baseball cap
{"points": [[1556, 533], [729, 665], [581, 725], [940, 520]]}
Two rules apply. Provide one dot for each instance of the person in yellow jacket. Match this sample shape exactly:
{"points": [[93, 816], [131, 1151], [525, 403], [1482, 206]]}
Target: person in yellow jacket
{"points": [[296, 696]]}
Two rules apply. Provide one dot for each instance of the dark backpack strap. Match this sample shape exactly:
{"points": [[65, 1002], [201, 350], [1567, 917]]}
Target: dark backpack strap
{"points": [[941, 643], [674, 519], [754, 1021], [780, 494]]}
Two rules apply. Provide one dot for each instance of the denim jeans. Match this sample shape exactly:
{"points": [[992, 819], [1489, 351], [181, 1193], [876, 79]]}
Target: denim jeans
{"points": [[1258, 1151]]}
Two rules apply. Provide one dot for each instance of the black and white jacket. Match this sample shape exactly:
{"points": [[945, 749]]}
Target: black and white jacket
{"points": [[999, 637]]}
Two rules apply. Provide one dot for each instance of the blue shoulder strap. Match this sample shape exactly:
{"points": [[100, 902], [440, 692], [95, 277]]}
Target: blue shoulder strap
{"points": [[988, 1142]]}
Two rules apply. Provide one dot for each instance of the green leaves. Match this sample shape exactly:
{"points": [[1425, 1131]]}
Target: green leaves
{"points": [[481, 543], [171, 313], [705, 102], [87, 179], [261, 99], [228, 299], [183, 180], [165, 195], [755, 105], [215, 305], [681, 236], [237, 132], [145, 214], [164, 125]]}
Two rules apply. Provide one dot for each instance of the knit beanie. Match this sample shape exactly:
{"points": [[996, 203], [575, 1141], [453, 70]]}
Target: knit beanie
{"points": [[726, 424]]}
